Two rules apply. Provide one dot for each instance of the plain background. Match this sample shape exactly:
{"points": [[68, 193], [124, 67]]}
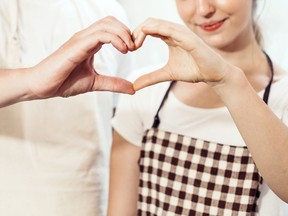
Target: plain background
{"points": [[271, 16]]}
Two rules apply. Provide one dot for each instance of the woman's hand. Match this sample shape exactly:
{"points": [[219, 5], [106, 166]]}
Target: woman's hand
{"points": [[190, 59], [69, 71]]}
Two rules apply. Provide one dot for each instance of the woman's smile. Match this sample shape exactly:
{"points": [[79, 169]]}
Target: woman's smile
{"points": [[212, 26]]}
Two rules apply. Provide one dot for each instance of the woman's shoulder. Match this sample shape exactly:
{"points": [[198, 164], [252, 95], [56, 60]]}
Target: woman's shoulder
{"points": [[279, 89], [280, 79]]}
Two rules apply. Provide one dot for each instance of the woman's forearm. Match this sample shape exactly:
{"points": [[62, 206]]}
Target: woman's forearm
{"points": [[124, 175], [263, 132]]}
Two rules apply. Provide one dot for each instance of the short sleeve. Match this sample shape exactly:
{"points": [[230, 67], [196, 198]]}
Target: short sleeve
{"points": [[135, 113], [280, 103], [127, 121], [269, 203], [284, 117]]}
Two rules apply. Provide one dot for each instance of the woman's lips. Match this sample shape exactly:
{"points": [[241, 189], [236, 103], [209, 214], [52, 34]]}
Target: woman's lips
{"points": [[212, 26]]}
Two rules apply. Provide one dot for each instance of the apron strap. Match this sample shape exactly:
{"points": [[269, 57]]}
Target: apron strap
{"points": [[268, 87], [265, 96], [156, 117]]}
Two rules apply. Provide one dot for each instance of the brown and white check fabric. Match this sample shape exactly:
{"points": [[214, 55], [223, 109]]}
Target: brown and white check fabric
{"points": [[180, 175]]}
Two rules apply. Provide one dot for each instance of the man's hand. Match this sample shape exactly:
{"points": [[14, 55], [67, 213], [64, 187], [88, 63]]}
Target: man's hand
{"points": [[69, 70]]}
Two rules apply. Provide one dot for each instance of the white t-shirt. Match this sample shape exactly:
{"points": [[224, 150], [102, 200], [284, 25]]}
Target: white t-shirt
{"points": [[54, 154], [135, 114]]}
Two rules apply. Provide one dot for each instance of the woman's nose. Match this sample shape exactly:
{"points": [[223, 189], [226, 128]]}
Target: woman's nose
{"points": [[205, 8]]}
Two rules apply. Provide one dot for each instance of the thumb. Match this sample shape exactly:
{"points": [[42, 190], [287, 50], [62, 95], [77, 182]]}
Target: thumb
{"points": [[113, 84], [151, 78]]}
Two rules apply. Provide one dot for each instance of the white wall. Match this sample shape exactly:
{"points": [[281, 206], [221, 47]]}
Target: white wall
{"points": [[153, 50], [273, 22]]}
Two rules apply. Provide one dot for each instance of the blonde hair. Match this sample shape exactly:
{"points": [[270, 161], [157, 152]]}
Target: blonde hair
{"points": [[256, 28]]}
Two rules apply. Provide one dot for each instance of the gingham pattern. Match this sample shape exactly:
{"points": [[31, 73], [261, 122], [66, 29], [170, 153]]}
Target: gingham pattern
{"points": [[184, 176]]}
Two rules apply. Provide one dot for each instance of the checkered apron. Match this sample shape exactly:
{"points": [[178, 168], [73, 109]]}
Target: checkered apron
{"points": [[185, 176], [180, 175]]}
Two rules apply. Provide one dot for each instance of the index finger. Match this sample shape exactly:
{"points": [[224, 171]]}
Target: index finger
{"points": [[113, 26], [169, 32]]}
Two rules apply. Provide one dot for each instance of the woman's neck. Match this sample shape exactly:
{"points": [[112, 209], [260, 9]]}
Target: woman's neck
{"points": [[249, 57]]}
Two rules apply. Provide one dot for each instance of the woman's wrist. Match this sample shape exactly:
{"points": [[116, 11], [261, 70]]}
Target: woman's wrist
{"points": [[232, 84]]}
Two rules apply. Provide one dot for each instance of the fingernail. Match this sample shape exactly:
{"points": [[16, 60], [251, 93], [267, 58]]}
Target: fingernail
{"points": [[137, 42]]}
